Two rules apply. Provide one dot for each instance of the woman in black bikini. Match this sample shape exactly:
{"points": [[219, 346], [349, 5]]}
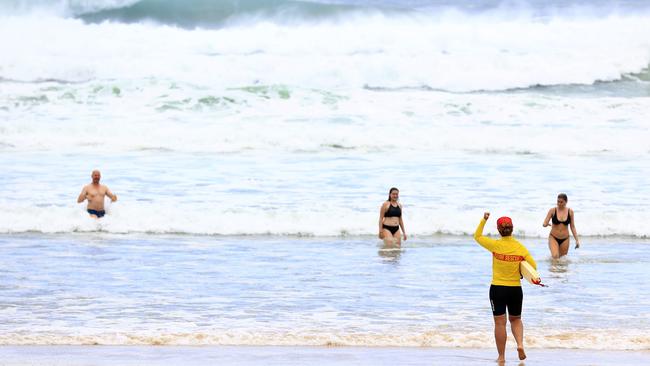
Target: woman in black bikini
{"points": [[562, 217], [390, 219]]}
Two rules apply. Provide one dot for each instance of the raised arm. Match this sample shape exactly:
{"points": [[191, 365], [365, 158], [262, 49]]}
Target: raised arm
{"points": [[110, 194], [486, 242], [573, 228], [401, 222], [82, 195], [548, 218]]}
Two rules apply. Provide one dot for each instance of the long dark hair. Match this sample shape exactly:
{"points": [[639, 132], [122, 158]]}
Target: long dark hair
{"points": [[391, 191]]}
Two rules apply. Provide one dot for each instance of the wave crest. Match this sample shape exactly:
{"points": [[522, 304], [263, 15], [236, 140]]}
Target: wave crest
{"points": [[452, 52], [131, 217]]}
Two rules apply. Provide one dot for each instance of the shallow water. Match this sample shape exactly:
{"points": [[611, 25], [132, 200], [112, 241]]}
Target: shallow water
{"points": [[187, 290]]}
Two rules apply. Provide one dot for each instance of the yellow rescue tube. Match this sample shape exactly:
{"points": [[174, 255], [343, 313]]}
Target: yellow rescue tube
{"points": [[529, 273]]}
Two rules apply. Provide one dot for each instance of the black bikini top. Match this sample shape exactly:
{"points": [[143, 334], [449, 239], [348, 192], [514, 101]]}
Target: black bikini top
{"points": [[557, 221], [393, 211]]}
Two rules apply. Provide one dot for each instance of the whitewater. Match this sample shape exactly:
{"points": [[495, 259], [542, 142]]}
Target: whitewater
{"points": [[252, 143], [268, 98]]}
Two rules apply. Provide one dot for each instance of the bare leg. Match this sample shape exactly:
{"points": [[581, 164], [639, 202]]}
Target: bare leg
{"points": [[517, 327], [564, 248], [388, 238], [500, 336], [553, 247], [397, 238]]}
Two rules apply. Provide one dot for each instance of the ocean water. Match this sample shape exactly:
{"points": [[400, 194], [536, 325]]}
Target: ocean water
{"points": [[86, 289], [251, 144]]}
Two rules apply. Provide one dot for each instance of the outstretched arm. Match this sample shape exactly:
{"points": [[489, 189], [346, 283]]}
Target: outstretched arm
{"points": [[82, 195], [548, 218], [573, 228]]}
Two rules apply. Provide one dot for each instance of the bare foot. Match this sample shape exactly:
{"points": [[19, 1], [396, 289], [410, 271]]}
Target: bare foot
{"points": [[522, 354], [501, 360]]}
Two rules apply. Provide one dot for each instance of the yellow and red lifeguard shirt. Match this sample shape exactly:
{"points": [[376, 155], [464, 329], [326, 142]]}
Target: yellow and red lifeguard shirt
{"points": [[507, 252]]}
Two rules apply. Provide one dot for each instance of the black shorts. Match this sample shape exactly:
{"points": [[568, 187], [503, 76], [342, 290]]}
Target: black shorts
{"points": [[98, 213], [506, 296]]}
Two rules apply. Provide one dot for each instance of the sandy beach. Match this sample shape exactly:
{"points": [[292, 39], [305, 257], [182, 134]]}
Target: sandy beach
{"points": [[360, 356]]}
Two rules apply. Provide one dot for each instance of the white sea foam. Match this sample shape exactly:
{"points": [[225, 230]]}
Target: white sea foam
{"points": [[180, 218], [280, 118], [487, 52], [277, 126], [288, 110], [585, 339]]}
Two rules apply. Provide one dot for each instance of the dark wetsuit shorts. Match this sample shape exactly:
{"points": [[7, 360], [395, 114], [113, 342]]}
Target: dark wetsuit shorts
{"points": [[98, 213], [506, 296]]}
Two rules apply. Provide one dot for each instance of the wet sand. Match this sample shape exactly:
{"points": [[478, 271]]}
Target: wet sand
{"points": [[245, 355]]}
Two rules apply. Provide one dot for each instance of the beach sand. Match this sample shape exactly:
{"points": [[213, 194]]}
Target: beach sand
{"points": [[245, 355]]}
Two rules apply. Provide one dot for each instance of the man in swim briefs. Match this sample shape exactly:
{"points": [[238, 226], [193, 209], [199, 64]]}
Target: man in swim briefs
{"points": [[94, 193]]}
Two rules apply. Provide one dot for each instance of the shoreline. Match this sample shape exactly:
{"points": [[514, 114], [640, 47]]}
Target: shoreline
{"points": [[156, 292], [280, 355]]}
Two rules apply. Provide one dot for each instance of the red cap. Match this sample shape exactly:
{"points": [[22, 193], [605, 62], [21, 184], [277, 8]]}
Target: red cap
{"points": [[504, 222]]}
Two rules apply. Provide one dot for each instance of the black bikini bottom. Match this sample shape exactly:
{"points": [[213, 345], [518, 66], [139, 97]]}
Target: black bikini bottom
{"points": [[560, 241], [392, 229]]}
